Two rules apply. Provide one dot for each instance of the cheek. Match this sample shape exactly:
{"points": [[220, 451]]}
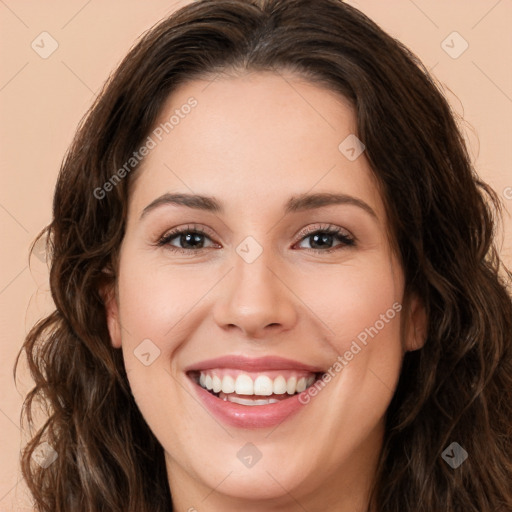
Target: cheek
{"points": [[357, 300], [156, 298], [361, 306], [154, 303]]}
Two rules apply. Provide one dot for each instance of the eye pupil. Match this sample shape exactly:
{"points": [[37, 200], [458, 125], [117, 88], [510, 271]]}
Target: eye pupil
{"points": [[190, 239], [321, 238]]}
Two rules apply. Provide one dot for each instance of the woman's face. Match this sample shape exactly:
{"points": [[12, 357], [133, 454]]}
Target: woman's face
{"points": [[257, 295]]}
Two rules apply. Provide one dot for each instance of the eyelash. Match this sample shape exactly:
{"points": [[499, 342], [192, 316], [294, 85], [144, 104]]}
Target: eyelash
{"points": [[337, 232]]}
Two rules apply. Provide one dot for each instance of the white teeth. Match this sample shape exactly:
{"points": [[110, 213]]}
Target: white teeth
{"points": [[279, 385], [263, 385], [244, 385], [301, 385], [291, 385], [228, 384], [250, 401], [217, 384]]}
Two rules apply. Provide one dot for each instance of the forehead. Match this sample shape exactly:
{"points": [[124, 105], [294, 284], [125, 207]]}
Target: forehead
{"points": [[254, 140]]}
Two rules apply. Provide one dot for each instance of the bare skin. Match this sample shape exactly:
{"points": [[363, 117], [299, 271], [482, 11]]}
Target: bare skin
{"points": [[253, 142]]}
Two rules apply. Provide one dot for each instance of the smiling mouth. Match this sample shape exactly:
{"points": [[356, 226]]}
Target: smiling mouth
{"points": [[254, 388]]}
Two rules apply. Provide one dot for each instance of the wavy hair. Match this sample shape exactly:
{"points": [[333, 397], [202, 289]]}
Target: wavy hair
{"points": [[443, 220]]}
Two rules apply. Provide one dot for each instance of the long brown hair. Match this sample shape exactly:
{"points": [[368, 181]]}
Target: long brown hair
{"points": [[457, 388]]}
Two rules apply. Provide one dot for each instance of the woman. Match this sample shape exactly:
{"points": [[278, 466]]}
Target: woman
{"points": [[275, 281]]}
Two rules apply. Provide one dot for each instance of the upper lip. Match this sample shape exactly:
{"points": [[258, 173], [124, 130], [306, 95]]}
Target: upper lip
{"points": [[254, 364]]}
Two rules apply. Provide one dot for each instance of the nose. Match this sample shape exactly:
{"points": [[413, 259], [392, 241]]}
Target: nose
{"points": [[255, 300]]}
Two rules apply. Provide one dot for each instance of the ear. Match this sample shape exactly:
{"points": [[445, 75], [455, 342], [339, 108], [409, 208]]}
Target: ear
{"points": [[108, 295], [417, 323]]}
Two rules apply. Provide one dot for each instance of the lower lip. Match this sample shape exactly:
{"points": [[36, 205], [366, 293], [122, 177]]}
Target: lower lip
{"points": [[250, 416]]}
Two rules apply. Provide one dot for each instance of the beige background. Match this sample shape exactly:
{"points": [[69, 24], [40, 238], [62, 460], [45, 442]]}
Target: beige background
{"points": [[42, 100]]}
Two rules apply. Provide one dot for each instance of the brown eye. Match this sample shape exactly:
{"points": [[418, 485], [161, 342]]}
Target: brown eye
{"points": [[327, 240], [185, 240]]}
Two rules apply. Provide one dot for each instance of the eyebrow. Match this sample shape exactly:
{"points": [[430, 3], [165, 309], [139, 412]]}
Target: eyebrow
{"points": [[297, 203]]}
